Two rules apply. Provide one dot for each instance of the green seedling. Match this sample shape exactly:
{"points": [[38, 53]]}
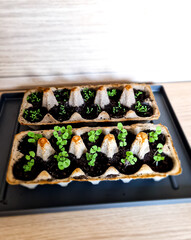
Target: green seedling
{"points": [[138, 93], [30, 158], [89, 110], [63, 161], [122, 135], [118, 108], [92, 155], [112, 93], [33, 97], [62, 134], [94, 135], [66, 95], [88, 94], [157, 156], [62, 110], [130, 158], [33, 137], [99, 108], [140, 107], [33, 114], [62, 94], [153, 136]]}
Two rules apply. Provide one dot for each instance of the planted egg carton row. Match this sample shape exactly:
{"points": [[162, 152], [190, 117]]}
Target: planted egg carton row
{"points": [[116, 102], [109, 165]]}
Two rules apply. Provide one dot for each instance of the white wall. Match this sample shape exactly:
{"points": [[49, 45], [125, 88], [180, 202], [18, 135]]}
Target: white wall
{"points": [[152, 39], [141, 40]]}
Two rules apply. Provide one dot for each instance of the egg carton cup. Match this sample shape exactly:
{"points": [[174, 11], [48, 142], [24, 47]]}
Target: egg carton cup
{"points": [[139, 147], [102, 99]]}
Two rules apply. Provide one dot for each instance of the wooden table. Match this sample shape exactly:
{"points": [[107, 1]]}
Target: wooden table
{"points": [[148, 222]]}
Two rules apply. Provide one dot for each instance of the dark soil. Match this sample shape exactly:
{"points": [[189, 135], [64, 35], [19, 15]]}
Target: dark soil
{"points": [[162, 166], [32, 110], [53, 141], [19, 172], [101, 165], [143, 114], [52, 167], [89, 144], [62, 96], [126, 168], [129, 138], [142, 96], [24, 146], [88, 95], [62, 115], [115, 99], [115, 111], [161, 139], [89, 111], [35, 100]]}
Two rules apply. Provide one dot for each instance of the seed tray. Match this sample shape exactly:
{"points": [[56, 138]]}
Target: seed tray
{"points": [[15, 200]]}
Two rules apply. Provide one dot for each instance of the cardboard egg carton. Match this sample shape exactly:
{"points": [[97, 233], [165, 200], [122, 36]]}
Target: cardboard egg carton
{"points": [[76, 100], [109, 147]]}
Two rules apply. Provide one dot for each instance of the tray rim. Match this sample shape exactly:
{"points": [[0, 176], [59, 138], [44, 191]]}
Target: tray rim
{"points": [[97, 206]]}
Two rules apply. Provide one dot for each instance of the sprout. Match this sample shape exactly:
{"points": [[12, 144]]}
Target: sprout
{"points": [[130, 158], [62, 110], [33, 97], [99, 108], [158, 130], [116, 109], [89, 110], [153, 136], [112, 93], [34, 115], [63, 161], [140, 107], [160, 148], [62, 135], [122, 135], [139, 93], [91, 157], [64, 164], [62, 94], [94, 135], [33, 137], [30, 158], [88, 94], [158, 157]]}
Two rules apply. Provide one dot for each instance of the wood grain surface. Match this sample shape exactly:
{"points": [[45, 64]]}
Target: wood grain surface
{"points": [[144, 223], [139, 223], [179, 96], [42, 38], [53, 37]]}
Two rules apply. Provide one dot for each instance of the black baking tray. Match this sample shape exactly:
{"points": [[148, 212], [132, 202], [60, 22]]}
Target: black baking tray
{"points": [[16, 200]]}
